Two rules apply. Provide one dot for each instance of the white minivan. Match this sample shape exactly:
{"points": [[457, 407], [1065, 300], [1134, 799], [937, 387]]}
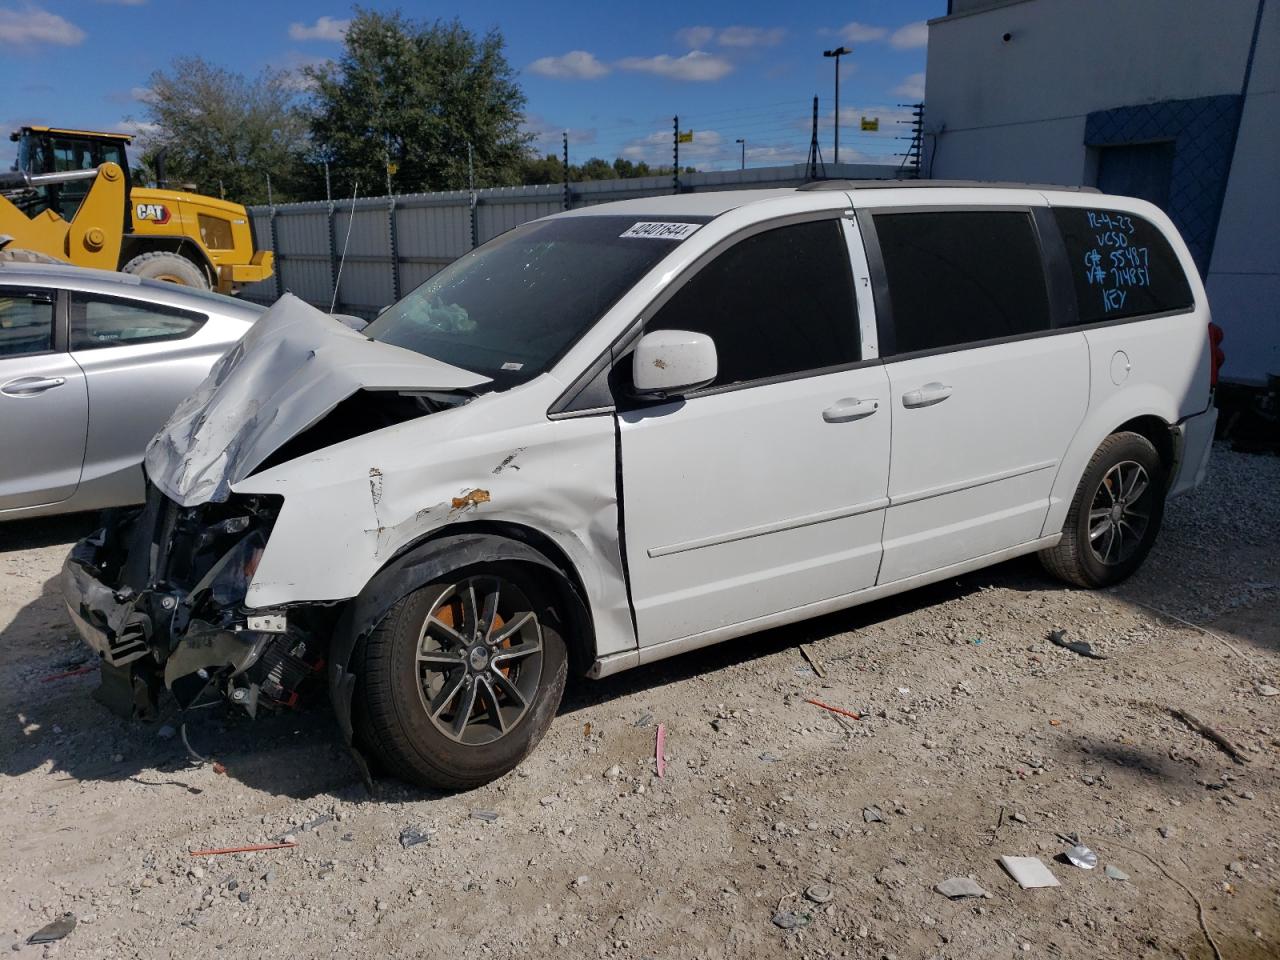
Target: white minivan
{"points": [[627, 431]]}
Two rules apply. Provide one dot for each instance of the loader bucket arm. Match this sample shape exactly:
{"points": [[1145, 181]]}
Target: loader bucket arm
{"points": [[94, 235]]}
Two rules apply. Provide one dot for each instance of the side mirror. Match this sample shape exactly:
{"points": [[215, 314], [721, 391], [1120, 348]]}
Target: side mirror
{"points": [[668, 363]]}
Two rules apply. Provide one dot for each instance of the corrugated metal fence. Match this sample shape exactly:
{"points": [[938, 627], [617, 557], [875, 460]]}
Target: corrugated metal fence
{"points": [[398, 242]]}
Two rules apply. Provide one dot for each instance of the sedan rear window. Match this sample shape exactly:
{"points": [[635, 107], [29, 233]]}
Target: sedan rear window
{"points": [[510, 308]]}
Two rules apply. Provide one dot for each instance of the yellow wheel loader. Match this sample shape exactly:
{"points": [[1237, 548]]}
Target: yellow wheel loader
{"points": [[70, 199]]}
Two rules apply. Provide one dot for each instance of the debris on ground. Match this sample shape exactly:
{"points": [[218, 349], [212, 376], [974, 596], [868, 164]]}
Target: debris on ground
{"points": [[1115, 873], [1029, 872], [488, 816], [819, 893], [872, 815], [52, 932], [960, 888], [317, 822], [1210, 734], [789, 920], [1081, 856], [840, 711], [660, 749], [1267, 690], [69, 673], [1059, 639], [812, 658], [412, 836], [248, 848]]}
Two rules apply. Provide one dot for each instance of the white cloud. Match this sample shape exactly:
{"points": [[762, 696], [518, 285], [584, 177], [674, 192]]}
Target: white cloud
{"points": [[696, 65], [696, 37], [699, 37], [655, 148], [574, 65], [750, 36], [861, 33], [325, 28], [30, 24], [142, 94], [911, 36], [911, 86]]}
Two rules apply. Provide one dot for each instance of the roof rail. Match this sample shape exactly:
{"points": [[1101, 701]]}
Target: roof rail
{"points": [[922, 184]]}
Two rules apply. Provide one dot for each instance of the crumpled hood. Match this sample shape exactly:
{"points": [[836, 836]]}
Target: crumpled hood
{"points": [[293, 366]]}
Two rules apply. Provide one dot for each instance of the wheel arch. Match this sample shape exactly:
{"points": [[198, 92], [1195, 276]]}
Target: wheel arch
{"points": [[441, 551], [1156, 429]]}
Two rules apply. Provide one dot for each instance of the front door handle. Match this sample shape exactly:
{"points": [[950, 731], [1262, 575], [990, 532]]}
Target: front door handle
{"points": [[31, 386], [927, 395], [850, 408]]}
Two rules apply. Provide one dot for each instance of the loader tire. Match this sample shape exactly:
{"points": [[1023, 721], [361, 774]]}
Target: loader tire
{"points": [[19, 255], [168, 267]]}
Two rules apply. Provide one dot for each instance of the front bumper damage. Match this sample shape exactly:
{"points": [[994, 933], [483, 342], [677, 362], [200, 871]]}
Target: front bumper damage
{"points": [[159, 593]]}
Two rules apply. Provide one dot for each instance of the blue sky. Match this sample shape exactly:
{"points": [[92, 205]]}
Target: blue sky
{"points": [[613, 79]]}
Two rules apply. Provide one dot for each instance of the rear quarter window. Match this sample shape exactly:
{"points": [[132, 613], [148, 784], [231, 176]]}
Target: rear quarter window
{"points": [[1121, 265]]}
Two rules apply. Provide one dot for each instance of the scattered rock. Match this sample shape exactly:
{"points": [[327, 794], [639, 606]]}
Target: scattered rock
{"points": [[613, 773], [872, 815], [1167, 831], [52, 932], [1267, 690]]}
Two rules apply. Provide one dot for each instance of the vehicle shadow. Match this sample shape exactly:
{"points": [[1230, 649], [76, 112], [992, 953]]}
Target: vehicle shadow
{"points": [[56, 724], [46, 531]]}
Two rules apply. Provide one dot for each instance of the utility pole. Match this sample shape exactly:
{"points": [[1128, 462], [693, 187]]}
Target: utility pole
{"points": [[744, 152], [675, 139], [837, 53], [564, 169]]}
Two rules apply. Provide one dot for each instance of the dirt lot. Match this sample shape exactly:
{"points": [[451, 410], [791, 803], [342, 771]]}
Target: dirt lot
{"points": [[979, 738]]}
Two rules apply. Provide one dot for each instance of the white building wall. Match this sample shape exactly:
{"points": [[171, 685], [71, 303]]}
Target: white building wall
{"points": [[1016, 109], [1244, 275]]}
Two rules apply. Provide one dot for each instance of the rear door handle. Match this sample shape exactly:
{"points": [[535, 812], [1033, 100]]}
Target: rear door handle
{"points": [[850, 408], [31, 386], [927, 395]]}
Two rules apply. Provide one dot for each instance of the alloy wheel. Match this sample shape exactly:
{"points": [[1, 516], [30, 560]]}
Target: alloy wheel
{"points": [[479, 659], [1120, 513]]}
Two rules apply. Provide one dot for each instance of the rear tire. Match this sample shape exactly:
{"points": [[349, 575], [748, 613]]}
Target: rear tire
{"points": [[453, 693], [1114, 516], [169, 268]]}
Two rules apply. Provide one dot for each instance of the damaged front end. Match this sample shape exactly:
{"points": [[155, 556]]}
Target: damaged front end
{"points": [[159, 594]]}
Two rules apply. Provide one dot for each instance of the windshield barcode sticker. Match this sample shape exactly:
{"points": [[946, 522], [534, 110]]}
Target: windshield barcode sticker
{"points": [[660, 231]]}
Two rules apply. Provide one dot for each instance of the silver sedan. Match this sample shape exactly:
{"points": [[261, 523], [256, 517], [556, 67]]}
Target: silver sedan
{"points": [[91, 366]]}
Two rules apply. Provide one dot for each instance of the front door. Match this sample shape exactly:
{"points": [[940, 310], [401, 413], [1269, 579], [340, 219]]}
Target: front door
{"points": [[985, 396], [765, 491], [44, 407]]}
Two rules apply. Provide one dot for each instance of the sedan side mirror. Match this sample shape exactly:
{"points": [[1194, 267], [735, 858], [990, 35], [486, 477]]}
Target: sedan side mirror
{"points": [[668, 363]]}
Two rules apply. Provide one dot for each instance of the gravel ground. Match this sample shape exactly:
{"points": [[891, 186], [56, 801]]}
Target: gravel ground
{"points": [[778, 827]]}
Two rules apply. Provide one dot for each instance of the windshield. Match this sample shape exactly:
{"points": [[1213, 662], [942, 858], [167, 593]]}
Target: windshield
{"points": [[511, 308]]}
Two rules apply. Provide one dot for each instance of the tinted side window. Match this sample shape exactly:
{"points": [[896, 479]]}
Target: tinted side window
{"points": [[780, 302], [110, 322], [1121, 265], [961, 276], [26, 322]]}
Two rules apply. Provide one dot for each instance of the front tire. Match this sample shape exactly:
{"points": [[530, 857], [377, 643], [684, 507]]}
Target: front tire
{"points": [[462, 678], [169, 268], [1115, 515]]}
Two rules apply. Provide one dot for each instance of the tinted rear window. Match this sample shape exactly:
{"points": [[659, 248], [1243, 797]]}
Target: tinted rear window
{"points": [[1121, 265], [962, 276]]}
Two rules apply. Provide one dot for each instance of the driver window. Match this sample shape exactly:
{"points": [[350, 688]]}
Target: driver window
{"points": [[777, 303]]}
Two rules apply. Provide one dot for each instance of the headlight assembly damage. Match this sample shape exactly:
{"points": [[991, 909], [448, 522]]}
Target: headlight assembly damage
{"points": [[159, 594]]}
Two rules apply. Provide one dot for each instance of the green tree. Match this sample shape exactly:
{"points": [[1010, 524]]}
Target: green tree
{"points": [[224, 132], [408, 96]]}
